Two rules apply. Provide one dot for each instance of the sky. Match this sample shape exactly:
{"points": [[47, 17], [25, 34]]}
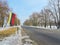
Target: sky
{"points": [[24, 8]]}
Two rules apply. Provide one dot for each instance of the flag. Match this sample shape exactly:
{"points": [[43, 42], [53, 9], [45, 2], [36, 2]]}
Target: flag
{"points": [[9, 18], [13, 19]]}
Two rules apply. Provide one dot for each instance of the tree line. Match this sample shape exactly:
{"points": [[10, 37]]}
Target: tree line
{"points": [[50, 15]]}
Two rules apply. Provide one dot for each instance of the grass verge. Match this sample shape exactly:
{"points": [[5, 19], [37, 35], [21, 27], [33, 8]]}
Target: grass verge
{"points": [[7, 32]]}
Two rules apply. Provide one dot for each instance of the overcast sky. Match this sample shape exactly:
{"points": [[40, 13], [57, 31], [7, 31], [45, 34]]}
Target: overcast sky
{"points": [[24, 8]]}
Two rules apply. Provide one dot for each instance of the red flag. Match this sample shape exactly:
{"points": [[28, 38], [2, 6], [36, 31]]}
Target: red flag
{"points": [[13, 19]]}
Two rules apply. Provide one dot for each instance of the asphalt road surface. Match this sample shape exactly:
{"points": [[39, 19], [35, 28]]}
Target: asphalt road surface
{"points": [[43, 37]]}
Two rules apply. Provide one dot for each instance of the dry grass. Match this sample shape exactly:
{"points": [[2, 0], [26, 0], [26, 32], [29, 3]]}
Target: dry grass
{"points": [[8, 32]]}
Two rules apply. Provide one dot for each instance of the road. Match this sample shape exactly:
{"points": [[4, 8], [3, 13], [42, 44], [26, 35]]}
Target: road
{"points": [[43, 37]]}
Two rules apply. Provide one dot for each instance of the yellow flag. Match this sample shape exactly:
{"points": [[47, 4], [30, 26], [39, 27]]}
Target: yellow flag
{"points": [[9, 18]]}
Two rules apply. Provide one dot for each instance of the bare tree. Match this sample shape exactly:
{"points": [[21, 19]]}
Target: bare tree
{"points": [[34, 19], [3, 11], [45, 16], [54, 6]]}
